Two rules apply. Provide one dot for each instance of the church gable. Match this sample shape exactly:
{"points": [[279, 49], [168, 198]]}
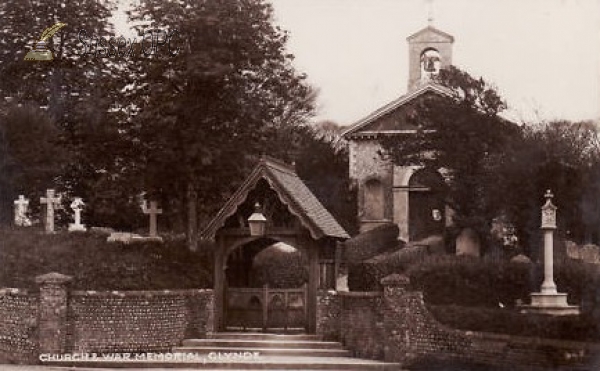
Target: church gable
{"points": [[394, 117], [430, 35]]}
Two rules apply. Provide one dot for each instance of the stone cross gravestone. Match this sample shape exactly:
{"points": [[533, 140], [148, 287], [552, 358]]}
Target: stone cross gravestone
{"points": [[153, 211], [77, 206], [21, 208], [51, 203]]}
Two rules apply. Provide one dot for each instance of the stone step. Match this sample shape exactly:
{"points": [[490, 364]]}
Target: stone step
{"points": [[260, 363], [314, 352], [262, 336], [244, 344]]}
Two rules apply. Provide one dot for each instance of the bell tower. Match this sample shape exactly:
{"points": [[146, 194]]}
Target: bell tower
{"points": [[429, 50]]}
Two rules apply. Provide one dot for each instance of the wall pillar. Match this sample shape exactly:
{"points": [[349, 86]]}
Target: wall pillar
{"points": [[396, 318], [53, 305]]}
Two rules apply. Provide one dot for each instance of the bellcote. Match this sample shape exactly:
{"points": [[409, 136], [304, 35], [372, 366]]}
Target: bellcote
{"points": [[429, 50]]}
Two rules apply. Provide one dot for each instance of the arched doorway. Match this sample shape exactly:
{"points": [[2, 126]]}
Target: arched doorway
{"points": [[266, 287], [426, 211]]}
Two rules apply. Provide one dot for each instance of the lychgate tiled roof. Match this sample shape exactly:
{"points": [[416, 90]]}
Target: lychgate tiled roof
{"points": [[291, 191]]}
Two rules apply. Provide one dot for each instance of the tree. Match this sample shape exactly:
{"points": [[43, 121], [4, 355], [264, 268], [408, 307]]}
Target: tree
{"points": [[76, 90], [561, 156], [462, 134], [220, 99], [322, 163], [496, 168], [30, 158], [71, 76]]}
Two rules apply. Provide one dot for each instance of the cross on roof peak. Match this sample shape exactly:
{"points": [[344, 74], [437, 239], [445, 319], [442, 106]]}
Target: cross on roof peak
{"points": [[430, 13]]}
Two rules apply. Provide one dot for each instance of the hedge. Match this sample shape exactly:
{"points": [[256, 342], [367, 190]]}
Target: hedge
{"points": [[367, 275], [368, 244], [510, 321], [469, 281], [279, 268]]}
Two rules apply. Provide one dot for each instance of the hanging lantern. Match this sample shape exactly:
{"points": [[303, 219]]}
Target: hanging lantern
{"points": [[257, 222]]}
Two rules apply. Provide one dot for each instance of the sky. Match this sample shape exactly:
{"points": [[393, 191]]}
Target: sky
{"points": [[542, 55]]}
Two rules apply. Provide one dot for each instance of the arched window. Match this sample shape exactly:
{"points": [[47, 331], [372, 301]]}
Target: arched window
{"points": [[374, 200]]}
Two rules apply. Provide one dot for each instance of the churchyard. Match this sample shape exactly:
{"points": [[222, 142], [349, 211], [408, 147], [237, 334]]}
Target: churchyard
{"points": [[471, 290], [182, 209]]}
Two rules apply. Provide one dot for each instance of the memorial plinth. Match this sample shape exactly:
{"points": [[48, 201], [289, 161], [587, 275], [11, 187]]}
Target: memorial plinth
{"points": [[549, 300]]}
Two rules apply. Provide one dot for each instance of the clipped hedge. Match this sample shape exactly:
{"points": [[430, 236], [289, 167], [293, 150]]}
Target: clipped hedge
{"points": [[371, 243], [279, 268], [367, 275], [507, 321], [469, 281]]}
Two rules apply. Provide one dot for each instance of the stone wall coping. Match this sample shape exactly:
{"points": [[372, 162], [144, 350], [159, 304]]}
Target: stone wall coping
{"points": [[395, 280], [559, 343], [139, 293], [15, 292], [361, 294], [54, 278]]}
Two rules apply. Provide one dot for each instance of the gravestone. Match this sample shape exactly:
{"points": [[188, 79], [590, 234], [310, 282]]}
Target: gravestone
{"points": [[124, 237], [21, 208], [77, 206], [588, 253], [153, 211], [51, 203], [520, 259], [467, 243]]}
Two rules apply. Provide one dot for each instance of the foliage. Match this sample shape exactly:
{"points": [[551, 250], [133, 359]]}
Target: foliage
{"points": [[321, 158], [78, 90], [68, 77], [30, 159], [469, 281], [368, 244], [230, 87], [561, 156], [494, 167], [367, 275], [279, 268], [509, 321], [98, 265], [462, 133]]}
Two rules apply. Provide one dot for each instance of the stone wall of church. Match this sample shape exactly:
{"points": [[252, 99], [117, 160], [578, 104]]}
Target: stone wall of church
{"points": [[367, 165]]}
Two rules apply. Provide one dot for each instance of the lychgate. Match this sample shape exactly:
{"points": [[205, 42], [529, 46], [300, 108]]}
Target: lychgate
{"points": [[273, 195]]}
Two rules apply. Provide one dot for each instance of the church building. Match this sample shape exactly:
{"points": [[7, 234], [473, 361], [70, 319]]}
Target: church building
{"points": [[408, 196]]}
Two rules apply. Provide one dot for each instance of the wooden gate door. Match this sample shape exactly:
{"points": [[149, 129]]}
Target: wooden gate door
{"points": [[266, 309]]}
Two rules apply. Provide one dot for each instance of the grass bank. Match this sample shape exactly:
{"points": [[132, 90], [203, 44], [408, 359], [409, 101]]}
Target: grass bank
{"points": [[97, 265]]}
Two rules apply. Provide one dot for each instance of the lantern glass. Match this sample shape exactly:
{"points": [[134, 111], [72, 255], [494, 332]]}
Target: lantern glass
{"points": [[257, 222]]}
